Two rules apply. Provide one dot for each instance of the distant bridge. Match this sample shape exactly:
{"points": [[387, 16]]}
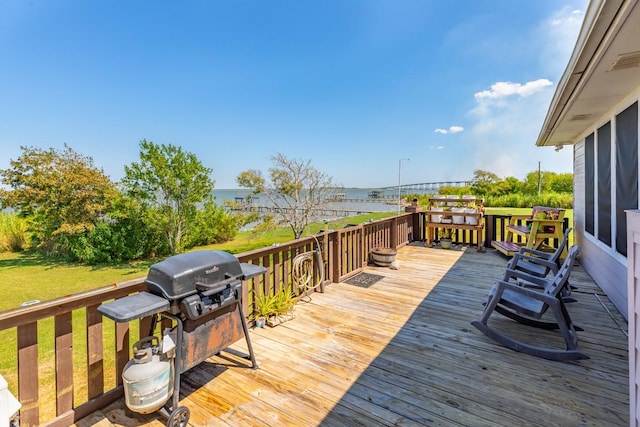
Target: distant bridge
{"points": [[427, 186]]}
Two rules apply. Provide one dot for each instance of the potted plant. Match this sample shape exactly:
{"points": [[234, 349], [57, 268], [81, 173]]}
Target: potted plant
{"points": [[283, 306], [445, 237], [446, 216], [471, 209], [265, 307]]}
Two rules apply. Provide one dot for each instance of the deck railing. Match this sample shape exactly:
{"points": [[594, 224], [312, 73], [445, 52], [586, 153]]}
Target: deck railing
{"points": [[69, 359]]}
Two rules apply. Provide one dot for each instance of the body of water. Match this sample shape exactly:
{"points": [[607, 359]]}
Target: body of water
{"points": [[355, 199]]}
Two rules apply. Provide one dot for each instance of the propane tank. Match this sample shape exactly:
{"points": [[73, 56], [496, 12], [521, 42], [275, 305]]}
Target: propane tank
{"points": [[147, 378]]}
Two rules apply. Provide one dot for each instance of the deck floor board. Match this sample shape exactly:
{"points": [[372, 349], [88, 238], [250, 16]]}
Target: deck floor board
{"points": [[402, 352]]}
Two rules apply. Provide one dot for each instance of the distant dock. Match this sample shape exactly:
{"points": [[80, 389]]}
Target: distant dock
{"points": [[328, 212]]}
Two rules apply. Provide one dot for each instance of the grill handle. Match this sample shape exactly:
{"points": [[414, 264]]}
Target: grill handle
{"points": [[214, 288]]}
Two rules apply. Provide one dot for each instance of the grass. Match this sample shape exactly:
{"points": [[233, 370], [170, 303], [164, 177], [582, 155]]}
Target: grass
{"points": [[248, 240], [29, 276]]}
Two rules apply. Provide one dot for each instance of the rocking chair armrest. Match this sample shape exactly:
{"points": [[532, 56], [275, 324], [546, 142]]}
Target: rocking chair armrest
{"points": [[528, 292], [516, 274], [535, 252], [539, 261]]}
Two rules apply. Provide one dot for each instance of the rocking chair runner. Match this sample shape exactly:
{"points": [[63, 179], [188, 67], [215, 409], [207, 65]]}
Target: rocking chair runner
{"points": [[527, 306]]}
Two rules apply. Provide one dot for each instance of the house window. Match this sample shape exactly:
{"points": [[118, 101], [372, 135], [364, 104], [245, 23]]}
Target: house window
{"points": [[604, 184], [626, 171], [589, 184]]}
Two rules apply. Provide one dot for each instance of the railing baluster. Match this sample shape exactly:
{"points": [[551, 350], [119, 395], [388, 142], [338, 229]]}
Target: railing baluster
{"points": [[64, 362], [28, 374], [95, 358], [122, 349]]}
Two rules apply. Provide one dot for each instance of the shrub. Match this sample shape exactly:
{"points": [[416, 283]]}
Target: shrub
{"points": [[212, 225], [14, 236], [516, 200]]}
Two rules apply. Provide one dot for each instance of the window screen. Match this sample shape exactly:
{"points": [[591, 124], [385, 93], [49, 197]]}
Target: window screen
{"points": [[604, 184], [589, 186], [626, 171]]}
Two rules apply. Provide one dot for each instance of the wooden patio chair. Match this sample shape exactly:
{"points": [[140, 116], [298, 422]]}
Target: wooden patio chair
{"points": [[527, 306], [541, 264], [542, 226]]}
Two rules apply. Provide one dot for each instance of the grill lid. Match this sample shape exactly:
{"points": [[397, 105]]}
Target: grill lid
{"points": [[182, 275]]}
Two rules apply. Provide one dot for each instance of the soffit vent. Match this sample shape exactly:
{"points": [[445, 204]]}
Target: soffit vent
{"points": [[579, 117], [625, 61]]}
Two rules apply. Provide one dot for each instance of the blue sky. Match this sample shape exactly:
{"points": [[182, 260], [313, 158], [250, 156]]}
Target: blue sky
{"points": [[352, 85]]}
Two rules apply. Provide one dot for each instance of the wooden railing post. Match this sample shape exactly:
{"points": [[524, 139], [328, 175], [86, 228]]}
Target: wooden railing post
{"points": [[415, 227], [489, 230], [337, 257], [394, 233]]}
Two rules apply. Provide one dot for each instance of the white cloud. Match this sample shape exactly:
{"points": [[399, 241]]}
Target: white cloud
{"points": [[505, 89], [555, 38], [452, 129]]}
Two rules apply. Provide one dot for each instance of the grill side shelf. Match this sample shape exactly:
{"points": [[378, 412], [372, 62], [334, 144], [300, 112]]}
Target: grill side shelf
{"points": [[250, 270], [134, 306]]}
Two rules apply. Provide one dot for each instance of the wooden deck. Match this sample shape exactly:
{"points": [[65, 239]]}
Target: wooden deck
{"points": [[402, 352]]}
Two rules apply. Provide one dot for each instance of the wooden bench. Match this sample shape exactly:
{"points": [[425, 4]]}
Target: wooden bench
{"points": [[535, 230]]}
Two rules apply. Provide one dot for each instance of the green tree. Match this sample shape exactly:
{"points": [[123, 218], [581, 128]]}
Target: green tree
{"points": [[530, 185], [296, 189], [60, 192], [561, 183], [170, 183], [483, 182], [509, 185]]}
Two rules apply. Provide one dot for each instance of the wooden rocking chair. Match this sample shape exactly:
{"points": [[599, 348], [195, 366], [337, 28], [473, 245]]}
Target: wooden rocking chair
{"points": [[527, 306]]}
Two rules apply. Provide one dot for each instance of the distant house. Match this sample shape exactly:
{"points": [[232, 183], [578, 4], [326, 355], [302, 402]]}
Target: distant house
{"points": [[595, 111]]}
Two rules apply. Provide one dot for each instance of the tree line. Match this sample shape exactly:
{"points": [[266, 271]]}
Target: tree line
{"points": [[65, 206], [543, 188]]}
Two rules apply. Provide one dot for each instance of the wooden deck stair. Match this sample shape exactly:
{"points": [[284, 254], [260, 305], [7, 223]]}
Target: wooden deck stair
{"points": [[402, 352]]}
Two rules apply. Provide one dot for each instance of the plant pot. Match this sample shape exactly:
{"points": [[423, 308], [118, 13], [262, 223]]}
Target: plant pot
{"points": [[261, 321], [445, 243], [383, 257], [458, 219], [436, 218], [274, 321], [471, 220]]}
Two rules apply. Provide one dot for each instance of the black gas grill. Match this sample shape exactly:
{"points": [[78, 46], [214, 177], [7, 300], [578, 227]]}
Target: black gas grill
{"points": [[199, 283], [201, 293]]}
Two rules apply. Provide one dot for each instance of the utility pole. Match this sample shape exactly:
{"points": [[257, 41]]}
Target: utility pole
{"points": [[538, 178]]}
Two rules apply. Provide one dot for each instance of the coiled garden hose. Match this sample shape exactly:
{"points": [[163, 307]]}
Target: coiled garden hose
{"points": [[303, 268]]}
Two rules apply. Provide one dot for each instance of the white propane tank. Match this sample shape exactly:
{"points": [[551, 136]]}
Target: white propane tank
{"points": [[9, 405], [147, 378]]}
